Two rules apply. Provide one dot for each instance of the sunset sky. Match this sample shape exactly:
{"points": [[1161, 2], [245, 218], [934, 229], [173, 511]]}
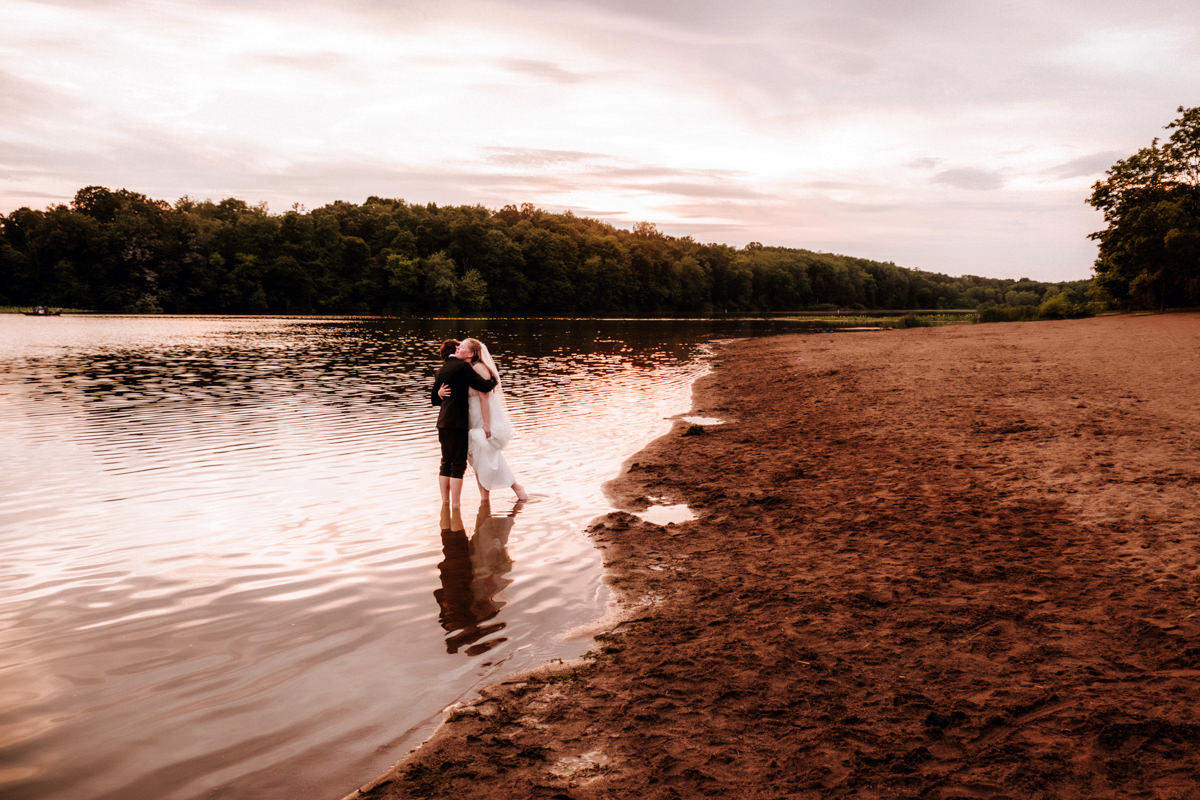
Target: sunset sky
{"points": [[960, 137]]}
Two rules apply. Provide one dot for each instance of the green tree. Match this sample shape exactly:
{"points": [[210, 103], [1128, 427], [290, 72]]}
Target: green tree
{"points": [[472, 291], [1015, 297], [1149, 255], [402, 283], [440, 285]]}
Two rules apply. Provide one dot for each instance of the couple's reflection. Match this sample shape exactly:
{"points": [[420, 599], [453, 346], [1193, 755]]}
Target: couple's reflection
{"points": [[474, 574]]}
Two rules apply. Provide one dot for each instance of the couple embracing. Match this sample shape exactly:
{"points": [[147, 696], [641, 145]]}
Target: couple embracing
{"points": [[473, 421]]}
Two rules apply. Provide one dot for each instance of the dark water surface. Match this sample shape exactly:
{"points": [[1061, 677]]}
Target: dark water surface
{"points": [[223, 567]]}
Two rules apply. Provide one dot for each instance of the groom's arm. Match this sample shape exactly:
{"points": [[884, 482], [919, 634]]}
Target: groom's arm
{"points": [[434, 396], [480, 383]]}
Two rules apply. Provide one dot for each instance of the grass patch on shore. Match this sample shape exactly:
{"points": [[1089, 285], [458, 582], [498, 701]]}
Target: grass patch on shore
{"points": [[1056, 307], [1060, 306], [900, 319], [20, 309]]}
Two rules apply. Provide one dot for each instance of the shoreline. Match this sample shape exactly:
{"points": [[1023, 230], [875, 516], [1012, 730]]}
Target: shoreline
{"points": [[941, 562], [614, 614]]}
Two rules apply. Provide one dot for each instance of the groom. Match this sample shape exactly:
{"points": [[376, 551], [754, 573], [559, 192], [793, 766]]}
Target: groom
{"points": [[450, 391]]}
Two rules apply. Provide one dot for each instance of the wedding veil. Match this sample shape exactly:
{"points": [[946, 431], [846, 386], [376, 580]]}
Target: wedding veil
{"points": [[501, 426], [497, 394]]}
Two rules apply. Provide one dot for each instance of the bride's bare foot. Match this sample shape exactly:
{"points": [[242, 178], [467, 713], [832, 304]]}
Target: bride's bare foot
{"points": [[520, 491]]}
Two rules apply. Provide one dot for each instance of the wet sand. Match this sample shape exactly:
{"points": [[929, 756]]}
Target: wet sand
{"points": [[959, 562]]}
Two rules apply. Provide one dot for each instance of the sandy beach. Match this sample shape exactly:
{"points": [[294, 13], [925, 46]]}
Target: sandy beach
{"points": [[957, 562]]}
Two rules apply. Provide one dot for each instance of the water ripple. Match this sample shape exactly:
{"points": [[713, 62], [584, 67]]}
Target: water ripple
{"points": [[222, 567]]}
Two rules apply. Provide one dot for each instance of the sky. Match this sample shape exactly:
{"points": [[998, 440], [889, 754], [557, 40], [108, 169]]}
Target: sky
{"points": [[960, 137]]}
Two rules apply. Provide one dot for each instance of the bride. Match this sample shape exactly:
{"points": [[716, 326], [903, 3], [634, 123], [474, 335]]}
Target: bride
{"points": [[490, 429]]}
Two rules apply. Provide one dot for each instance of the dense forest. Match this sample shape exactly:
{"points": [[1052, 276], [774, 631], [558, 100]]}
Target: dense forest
{"points": [[122, 251], [1150, 252]]}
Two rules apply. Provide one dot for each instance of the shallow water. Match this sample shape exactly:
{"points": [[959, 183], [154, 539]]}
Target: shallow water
{"points": [[702, 421], [223, 567], [668, 514]]}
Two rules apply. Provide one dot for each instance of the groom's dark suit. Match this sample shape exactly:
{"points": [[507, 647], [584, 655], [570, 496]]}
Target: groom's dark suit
{"points": [[454, 417]]}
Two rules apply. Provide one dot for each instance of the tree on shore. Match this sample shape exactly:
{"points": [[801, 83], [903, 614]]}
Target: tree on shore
{"points": [[1149, 254], [123, 251]]}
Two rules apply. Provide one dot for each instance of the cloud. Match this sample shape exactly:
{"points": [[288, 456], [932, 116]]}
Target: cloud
{"points": [[798, 123], [528, 156], [584, 211], [969, 178], [25, 101], [719, 190], [1085, 166], [626, 171], [924, 163], [304, 61], [542, 70]]}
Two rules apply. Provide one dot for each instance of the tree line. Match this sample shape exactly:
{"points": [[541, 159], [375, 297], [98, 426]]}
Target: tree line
{"points": [[118, 250], [1149, 254]]}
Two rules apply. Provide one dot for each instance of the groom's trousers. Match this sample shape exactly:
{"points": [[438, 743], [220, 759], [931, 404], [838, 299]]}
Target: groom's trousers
{"points": [[454, 451]]}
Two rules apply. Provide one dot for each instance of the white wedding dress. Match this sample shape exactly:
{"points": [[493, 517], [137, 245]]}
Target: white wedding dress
{"points": [[484, 453]]}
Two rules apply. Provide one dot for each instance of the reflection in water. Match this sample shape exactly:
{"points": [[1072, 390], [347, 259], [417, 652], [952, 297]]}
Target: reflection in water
{"points": [[474, 574], [216, 549]]}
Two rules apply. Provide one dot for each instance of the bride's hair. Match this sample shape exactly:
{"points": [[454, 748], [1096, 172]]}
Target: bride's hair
{"points": [[476, 348]]}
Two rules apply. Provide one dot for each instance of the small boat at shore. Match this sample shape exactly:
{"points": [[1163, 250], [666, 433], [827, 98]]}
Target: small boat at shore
{"points": [[43, 311]]}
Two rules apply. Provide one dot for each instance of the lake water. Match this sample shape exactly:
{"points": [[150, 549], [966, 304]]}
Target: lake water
{"points": [[224, 570]]}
